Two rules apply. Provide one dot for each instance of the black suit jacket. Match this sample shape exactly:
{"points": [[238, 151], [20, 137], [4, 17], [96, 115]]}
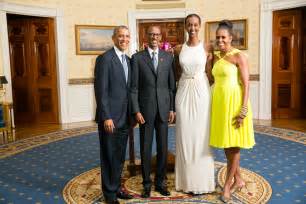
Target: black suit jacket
{"points": [[111, 89], [152, 91]]}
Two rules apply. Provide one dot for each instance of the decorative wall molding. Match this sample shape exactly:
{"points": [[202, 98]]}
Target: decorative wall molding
{"points": [[266, 15], [60, 43], [254, 98], [81, 81], [87, 81], [254, 77], [160, 5], [273, 5], [84, 105]]}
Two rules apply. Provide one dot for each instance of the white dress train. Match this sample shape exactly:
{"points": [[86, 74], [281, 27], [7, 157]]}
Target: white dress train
{"points": [[194, 163]]}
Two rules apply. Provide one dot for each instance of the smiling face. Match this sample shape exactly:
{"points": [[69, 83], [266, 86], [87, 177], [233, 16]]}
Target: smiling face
{"points": [[192, 26], [154, 37], [223, 39], [121, 39]]}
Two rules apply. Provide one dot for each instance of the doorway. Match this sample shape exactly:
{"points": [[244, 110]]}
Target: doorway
{"points": [[33, 69], [172, 31], [289, 64]]}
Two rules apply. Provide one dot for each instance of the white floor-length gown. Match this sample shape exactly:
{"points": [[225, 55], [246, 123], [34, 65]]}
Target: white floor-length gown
{"points": [[194, 163]]}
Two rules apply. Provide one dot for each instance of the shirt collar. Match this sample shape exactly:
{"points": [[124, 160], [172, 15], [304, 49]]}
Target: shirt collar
{"points": [[119, 53], [150, 51]]}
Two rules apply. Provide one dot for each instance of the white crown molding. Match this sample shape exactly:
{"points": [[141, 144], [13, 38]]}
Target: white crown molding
{"points": [[272, 5], [57, 14], [266, 25], [28, 10]]}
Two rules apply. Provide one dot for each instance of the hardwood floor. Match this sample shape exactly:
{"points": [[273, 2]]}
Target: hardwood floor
{"points": [[28, 130], [292, 124]]}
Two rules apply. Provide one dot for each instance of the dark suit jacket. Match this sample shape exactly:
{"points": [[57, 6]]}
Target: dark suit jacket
{"points": [[151, 90], [111, 89]]}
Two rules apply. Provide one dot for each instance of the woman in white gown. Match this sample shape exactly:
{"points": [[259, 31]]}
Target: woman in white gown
{"points": [[194, 163]]}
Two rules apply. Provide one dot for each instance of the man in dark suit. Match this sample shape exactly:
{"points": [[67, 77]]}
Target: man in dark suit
{"points": [[152, 93], [111, 85]]}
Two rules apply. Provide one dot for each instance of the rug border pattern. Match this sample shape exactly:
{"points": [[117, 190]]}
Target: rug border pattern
{"points": [[19, 146]]}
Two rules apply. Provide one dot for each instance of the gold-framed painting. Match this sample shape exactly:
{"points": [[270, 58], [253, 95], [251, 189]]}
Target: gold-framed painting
{"points": [[240, 33], [93, 39]]}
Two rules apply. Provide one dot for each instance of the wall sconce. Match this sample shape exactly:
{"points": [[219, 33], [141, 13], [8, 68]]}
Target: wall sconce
{"points": [[2, 89]]}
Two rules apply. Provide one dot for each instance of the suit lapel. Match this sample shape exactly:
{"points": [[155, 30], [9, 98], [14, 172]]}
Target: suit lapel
{"points": [[161, 58], [148, 60], [130, 71], [118, 65]]}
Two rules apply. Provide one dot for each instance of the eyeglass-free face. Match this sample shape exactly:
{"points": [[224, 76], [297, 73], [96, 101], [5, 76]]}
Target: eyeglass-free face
{"points": [[122, 39], [192, 26]]}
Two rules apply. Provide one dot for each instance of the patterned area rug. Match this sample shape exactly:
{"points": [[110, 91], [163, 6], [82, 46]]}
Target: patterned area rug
{"points": [[36, 170], [85, 188]]}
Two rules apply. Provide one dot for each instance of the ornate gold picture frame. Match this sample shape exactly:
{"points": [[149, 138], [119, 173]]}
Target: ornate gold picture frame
{"points": [[92, 39], [240, 30]]}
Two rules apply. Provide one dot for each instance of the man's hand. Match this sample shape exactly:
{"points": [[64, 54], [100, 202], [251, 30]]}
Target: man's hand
{"points": [[109, 126], [171, 117], [139, 118]]}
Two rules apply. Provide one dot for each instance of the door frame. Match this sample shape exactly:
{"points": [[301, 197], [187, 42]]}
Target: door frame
{"points": [[266, 28], [60, 49], [151, 14]]}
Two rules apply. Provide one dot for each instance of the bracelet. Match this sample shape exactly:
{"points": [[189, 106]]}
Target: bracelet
{"points": [[243, 112]]}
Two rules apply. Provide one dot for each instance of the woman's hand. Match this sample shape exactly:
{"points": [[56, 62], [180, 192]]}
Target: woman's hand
{"points": [[238, 121]]}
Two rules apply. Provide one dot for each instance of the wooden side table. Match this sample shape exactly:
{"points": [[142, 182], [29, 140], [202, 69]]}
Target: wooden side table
{"points": [[7, 117]]}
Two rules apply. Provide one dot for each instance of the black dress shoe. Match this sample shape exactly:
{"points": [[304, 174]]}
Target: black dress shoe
{"points": [[112, 201], [124, 195], [162, 190], [146, 193]]}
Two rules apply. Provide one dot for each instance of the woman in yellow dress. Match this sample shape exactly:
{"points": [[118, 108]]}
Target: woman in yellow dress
{"points": [[231, 116]]}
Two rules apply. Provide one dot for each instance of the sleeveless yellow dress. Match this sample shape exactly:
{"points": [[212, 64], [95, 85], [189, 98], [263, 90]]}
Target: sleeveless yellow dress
{"points": [[227, 99]]}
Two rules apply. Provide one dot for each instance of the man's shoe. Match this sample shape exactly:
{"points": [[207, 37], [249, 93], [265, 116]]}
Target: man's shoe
{"points": [[112, 201], [162, 190], [124, 195], [146, 193]]}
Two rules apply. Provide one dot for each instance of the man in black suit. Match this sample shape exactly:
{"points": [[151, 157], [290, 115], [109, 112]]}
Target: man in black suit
{"points": [[152, 93], [111, 85]]}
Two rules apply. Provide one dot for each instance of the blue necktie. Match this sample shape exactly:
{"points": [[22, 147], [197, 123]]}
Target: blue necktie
{"points": [[154, 60], [125, 67]]}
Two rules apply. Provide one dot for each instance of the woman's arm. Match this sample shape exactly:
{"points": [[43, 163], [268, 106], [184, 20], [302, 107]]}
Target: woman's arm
{"points": [[209, 49], [177, 68], [243, 67]]}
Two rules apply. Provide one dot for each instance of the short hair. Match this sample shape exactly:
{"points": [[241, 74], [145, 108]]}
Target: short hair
{"points": [[227, 25], [151, 26], [193, 15], [116, 29]]}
